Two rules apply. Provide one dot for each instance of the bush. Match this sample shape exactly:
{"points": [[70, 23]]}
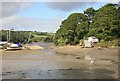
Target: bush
{"points": [[93, 31], [103, 43], [116, 42], [76, 40], [100, 36], [81, 42]]}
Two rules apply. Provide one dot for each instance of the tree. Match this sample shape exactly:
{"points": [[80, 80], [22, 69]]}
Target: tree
{"points": [[90, 12], [69, 27], [106, 19], [82, 29], [102, 23]]}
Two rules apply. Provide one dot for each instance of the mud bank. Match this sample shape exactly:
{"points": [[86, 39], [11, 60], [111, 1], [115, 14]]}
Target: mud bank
{"points": [[68, 62]]}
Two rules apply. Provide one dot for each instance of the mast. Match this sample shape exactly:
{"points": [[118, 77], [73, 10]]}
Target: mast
{"points": [[9, 35], [29, 37], [28, 40]]}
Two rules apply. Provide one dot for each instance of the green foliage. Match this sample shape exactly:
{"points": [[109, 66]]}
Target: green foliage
{"points": [[15, 36], [115, 42], [81, 42], [69, 29], [100, 36], [93, 32], [102, 23], [106, 18], [90, 12], [42, 37], [22, 36]]}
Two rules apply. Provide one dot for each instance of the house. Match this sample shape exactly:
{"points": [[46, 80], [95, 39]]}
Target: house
{"points": [[90, 42], [93, 39], [87, 44]]}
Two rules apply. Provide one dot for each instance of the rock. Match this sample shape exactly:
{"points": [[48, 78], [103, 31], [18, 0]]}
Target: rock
{"points": [[82, 47], [8, 72], [64, 74], [78, 57], [100, 48], [70, 68], [112, 47], [49, 70], [35, 47], [4, 74]]}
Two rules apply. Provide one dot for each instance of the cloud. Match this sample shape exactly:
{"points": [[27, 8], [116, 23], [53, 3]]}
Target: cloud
{"points": [[26, 5], [20, 0], [9, 9], [25, 23], [7, 20], [10, 19], [68, 6], [12, 8]]}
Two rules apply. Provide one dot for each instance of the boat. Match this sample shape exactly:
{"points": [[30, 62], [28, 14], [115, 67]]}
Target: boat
{"points": [[17, 48], [9, 45], [14, 47]]}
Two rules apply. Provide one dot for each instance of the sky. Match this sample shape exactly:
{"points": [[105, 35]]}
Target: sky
{"points": [[40, 16]]}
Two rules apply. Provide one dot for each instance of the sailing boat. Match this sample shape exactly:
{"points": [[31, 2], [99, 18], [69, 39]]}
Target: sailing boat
{"points": [[12, 46]]}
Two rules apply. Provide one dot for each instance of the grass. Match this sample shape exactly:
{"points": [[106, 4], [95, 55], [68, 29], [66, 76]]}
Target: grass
{"points": [[114, 42], [39, 36]]}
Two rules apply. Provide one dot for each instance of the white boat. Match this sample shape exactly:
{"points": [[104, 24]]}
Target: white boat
{"points": [[14, 47]]}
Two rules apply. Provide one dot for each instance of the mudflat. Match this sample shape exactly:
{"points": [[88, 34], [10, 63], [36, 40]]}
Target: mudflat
{"points": [[66, 62]]}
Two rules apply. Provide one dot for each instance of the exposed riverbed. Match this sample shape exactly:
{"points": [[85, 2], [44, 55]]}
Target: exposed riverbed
{"points": [[68, 62]]}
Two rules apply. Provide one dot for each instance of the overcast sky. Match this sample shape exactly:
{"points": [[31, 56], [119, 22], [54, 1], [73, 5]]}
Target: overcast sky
{"points": [[40, 16]]}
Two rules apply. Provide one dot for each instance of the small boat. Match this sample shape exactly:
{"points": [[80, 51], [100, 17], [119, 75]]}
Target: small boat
{"points": [[14, 47], [10, 48]]}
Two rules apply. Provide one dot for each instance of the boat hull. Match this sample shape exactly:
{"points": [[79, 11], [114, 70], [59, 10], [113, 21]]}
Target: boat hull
{"points": [[18, 48]]}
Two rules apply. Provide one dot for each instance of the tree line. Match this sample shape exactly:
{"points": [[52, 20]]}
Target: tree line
{"points": [[22, 36], [102, 23]]}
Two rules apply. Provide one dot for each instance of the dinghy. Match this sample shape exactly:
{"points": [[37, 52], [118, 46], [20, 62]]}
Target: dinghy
{"points": [[14, 47]]}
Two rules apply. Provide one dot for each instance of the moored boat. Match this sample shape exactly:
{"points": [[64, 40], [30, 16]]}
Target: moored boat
{"points": [[14, 47]]}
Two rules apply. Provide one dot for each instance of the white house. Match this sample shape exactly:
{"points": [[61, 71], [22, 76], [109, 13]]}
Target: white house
{"points": [[87, 43], [93, 39]]}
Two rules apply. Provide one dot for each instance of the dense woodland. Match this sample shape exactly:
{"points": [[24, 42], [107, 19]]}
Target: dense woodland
{"points": [[102, 23]]}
